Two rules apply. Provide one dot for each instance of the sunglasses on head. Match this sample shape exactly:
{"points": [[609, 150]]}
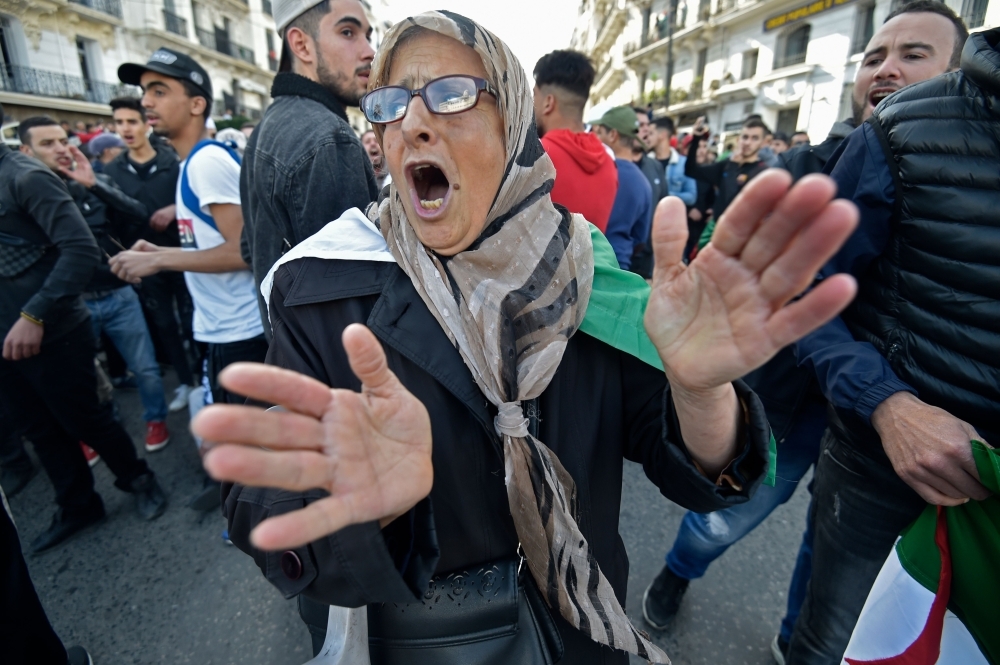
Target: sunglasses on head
{"points": [[443, 96]]}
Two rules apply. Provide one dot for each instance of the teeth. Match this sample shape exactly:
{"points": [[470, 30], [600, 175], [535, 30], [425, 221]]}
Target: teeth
{"points": [[431, 205]]}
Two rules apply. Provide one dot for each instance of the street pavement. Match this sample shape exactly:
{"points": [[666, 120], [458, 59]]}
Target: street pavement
{"points": [[171, 591]]}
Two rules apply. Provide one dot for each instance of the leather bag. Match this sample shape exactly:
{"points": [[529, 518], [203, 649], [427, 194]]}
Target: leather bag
{"points": [[489, 615]]}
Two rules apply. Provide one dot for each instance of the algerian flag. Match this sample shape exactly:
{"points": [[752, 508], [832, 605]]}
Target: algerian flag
{"points": [[936, 598]]}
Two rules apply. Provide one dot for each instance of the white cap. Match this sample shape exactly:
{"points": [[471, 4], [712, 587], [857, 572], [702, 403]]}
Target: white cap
{"points": [[286, 11]]}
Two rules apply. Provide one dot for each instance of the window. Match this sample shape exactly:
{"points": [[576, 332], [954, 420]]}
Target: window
{"points": [[749, 67], [86, 66], [974, 12], [787, 121], [792, 47], [272, 55], [864, 28], [8, 59], [699, 73]]}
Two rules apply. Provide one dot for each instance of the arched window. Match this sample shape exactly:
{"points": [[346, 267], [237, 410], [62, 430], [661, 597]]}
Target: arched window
{"points": [[792, 47]]}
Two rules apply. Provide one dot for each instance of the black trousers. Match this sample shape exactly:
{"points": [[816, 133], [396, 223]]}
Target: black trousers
{"points": [[859, 506], [222, 355], [55, 393], [26, 636], [159, 295], [12, 453]]}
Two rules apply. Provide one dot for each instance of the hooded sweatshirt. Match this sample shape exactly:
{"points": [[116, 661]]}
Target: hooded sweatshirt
{"points": [[586, 177]]}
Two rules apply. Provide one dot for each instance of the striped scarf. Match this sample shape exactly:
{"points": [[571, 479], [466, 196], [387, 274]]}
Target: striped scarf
{"points": [[509, 304]]}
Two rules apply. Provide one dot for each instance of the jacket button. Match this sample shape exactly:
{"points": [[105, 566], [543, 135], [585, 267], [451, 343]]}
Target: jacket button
{"points": [[291, 565]]}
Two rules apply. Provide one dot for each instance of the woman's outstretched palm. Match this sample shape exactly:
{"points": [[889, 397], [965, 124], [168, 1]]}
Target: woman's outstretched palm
{"points": [[726, 313], [370, 450]]}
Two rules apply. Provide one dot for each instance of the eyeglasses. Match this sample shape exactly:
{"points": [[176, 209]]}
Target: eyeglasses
{"points": [[443, 96]]}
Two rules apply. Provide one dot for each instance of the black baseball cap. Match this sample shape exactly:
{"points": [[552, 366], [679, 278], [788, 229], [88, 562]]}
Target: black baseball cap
{"points": [[169, 63]]}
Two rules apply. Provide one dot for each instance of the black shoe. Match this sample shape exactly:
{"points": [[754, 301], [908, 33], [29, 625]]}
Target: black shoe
{"points": [[62, 528], [15, 477], [78, 656], [663, 598], [150, 500], [209, 498], [779, 650]]}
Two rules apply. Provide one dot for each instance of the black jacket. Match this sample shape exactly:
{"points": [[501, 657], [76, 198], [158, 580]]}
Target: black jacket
{"points": [[930, 302], [47, 253], [602, 407], [157, 190], [111, 216], [727, 176], [302, 168], [803, 160]]}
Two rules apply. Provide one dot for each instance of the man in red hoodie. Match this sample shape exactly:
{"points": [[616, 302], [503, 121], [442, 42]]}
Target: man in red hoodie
{"points": [[586, 176]]}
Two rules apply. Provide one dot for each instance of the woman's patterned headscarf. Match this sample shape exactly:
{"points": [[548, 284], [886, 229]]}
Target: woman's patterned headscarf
{"points": [[510, 303]]}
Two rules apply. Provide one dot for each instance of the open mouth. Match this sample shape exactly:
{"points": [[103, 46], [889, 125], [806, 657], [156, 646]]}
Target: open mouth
{"points": [[877, 95], [430, 188]]}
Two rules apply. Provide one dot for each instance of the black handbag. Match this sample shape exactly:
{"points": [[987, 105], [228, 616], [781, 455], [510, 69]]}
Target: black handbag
{"points": [[489, 615]]}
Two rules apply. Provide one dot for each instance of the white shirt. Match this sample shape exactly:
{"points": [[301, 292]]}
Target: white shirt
{"points": [[225, 304]]}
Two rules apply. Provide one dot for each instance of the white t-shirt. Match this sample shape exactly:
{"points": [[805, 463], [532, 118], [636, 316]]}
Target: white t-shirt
{"points": [[225, 303]]}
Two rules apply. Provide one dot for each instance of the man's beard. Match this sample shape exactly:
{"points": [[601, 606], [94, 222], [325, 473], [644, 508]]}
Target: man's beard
{"points": [[338, 83], [858, 111]]}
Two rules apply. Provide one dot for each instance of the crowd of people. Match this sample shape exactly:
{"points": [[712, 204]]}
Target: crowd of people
{"points": [[468, 230]]}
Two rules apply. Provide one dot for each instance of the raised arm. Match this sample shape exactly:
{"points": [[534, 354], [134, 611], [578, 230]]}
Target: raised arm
{"points": [[728, 312]]}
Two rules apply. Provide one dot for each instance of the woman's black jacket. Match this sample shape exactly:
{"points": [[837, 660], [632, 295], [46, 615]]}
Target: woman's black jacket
{"points": [[602, 407]]}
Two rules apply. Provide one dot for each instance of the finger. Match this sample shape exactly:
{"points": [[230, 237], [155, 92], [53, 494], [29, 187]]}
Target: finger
{"points": [[796, 320], [251, 426], [933, 496], [964, 477], [317, 520], [273, 385], [294, 470], [796, 266], [669, 235], [367, 358], [805, 201], [752, 205]]}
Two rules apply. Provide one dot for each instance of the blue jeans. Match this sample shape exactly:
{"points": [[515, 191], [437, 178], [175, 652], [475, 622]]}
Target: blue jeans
{"points": [[119, 316], [703, 538]]}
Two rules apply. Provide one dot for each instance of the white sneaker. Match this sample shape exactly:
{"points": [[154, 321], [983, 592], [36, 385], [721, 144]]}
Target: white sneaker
{"points": [[180, 400]]}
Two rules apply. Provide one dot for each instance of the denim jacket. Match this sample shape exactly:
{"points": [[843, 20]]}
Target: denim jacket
{"points": [[302, 168], [678, 184]]}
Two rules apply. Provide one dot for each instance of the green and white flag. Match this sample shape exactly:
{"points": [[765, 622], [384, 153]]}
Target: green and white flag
{"points": [[937, 598]]}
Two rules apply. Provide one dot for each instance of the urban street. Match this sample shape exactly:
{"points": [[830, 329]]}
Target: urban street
{"points": [[171, 591]]}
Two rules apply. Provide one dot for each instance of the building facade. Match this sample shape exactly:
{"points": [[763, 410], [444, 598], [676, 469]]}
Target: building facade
{"points": [[792, 62], [61, 57]]}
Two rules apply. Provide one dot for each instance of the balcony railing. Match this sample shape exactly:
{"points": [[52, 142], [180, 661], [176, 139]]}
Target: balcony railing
{"points": [[789, 59], [112, 7], [265, 5], [53, 84], [227, 46], [175, 24]]}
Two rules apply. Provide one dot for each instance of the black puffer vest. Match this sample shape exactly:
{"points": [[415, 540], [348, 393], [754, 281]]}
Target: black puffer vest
{"points": [[931, 302]]}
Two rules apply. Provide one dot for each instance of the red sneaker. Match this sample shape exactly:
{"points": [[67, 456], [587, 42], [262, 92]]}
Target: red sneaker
{"points": [[90, 454], [157, 435]]}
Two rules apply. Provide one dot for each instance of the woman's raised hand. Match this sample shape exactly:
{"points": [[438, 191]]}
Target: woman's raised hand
{"points": [[728, 312], [370, 450]]}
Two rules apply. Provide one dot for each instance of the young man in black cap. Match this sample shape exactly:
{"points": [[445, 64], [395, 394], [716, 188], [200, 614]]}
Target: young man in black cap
{"points": [[304, 149], [149, 175], [47, 375], [178, 99]]}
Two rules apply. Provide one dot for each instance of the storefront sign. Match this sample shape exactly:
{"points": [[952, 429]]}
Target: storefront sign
{"points": [[800, 13]]}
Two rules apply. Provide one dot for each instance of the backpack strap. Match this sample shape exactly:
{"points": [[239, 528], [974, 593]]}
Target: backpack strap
{"points": [[188, 197]]}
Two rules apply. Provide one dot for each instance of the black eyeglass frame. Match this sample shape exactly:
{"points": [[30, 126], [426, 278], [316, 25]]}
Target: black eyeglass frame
{"points": [[482, 85]]}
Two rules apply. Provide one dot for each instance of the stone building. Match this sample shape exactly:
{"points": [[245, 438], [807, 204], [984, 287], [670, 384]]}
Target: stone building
{"points": [[791, 61], [61, 57]]}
